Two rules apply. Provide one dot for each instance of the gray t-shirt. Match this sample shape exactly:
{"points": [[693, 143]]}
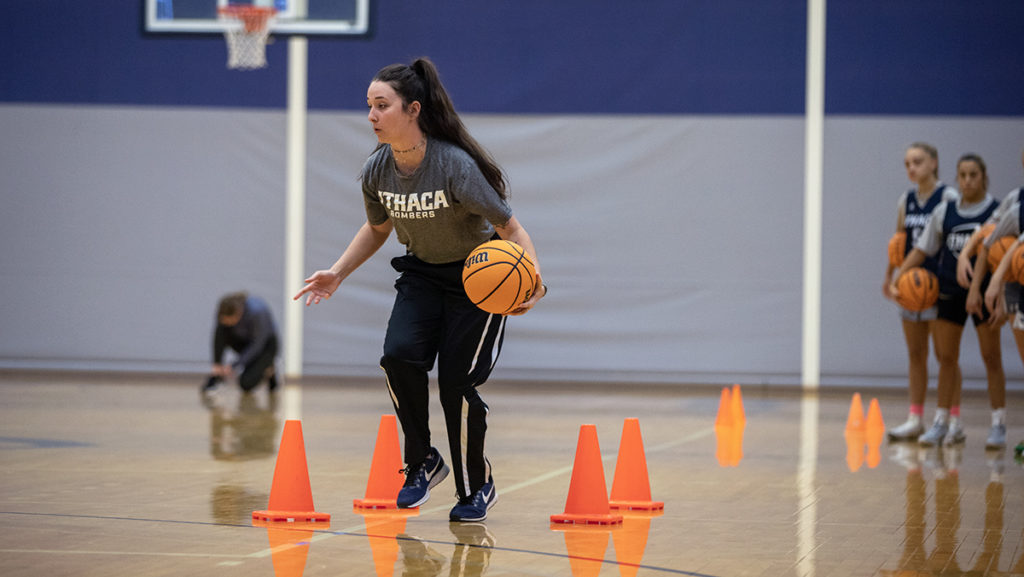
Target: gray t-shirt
{"points": [[442, 211]]}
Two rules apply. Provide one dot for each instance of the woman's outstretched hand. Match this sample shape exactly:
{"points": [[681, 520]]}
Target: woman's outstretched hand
{"points": [[320, 285]]}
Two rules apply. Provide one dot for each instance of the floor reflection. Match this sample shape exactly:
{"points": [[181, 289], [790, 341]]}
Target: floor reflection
{"points": [[247, 432], [586, 546], [289, 545], [472, 554], [940, 466], [244, 433], [383, 528]]}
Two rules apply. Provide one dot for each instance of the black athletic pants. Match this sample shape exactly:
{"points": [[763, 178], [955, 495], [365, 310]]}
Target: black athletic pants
{"points": [[252, 374], [433, 319]]}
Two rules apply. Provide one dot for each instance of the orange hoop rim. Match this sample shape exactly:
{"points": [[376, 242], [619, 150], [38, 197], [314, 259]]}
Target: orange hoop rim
{"points": [[254, 18]]}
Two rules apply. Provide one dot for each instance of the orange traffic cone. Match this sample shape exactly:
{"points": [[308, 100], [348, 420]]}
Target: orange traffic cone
{"points": [[725, 409], [874, 419], [586, 546], [873, 438], [289, 545], [739, 416], [291, 498], [729, 446], [855, 420], [386, 478], [736, 449], [587, 503], [631, 488]]}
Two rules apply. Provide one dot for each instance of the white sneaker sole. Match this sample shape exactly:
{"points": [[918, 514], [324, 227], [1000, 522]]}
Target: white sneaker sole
{"points": [[477, 519]]}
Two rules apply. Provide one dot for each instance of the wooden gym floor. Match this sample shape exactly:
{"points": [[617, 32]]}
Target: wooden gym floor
{"points": [[118, 475]]}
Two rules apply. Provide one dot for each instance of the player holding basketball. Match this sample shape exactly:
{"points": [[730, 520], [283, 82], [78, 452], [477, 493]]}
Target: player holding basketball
{"points": [[950, 226], [1002, 297], [913, 209], [443, 195]]}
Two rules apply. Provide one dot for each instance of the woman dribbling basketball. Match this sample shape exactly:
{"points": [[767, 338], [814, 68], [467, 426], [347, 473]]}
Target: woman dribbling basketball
{"points": [[443, 195]]}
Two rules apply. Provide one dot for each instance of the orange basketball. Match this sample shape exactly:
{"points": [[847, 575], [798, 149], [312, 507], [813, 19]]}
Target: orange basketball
{"points": [[918, 289], [1016, 265], [997, 250], [982, 233], [498, 276], [897, 248]]}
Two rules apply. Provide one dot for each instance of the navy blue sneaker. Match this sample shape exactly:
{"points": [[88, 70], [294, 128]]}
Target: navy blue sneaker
{"points": [[474, 508], [421, 479]]}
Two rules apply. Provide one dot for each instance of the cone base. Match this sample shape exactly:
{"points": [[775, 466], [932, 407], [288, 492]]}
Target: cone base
{"points": [[291, 516], [293, 526], [375, 504], [584, 519], [637, 505]]}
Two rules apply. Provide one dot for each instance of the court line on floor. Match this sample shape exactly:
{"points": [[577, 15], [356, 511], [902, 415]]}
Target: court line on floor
{"points": [[700, 434], [321, 534], [124, 553], [355, 530]]}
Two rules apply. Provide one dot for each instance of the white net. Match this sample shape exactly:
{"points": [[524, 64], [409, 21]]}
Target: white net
{"points": [[247, 34]]}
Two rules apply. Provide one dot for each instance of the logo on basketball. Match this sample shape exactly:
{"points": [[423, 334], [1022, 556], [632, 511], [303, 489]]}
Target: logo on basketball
{"points": [[498, 276], [476, 258]]}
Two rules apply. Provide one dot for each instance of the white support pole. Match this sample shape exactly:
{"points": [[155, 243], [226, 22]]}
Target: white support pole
{"points": [[295, 209], [814, 138]]}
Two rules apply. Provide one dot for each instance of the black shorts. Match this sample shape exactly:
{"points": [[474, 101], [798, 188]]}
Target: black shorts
{"points": [[953, 307]]}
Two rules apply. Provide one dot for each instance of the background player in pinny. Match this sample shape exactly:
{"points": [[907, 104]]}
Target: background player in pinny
{"points": [[1002, 297], [443, 195], [921, 161], [965, 266], [949, 228]]}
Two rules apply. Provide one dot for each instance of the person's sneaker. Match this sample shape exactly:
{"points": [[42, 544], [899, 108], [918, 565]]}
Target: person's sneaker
{"points": [[474, 508], [211, 385], [935, 435], [271, 374], [996, 438], [955, 435], [421, 479], [908, 431]]}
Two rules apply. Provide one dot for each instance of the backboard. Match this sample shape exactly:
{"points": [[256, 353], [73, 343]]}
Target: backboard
{"points": [[305, 17]]}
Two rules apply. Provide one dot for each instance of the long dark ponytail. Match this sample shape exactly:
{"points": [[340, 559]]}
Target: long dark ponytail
{"points": [[421, 82]]}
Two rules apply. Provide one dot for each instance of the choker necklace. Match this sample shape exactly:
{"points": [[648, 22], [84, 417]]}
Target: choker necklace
{"points": [[422, 142]]}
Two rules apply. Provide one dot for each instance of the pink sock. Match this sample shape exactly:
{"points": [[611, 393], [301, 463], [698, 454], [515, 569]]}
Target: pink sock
{"points": [[954, 411], [917, 410]]}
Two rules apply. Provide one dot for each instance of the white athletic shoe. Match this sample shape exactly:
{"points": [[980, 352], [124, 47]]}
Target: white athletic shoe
{"points": [[908, 431], [955, 435], [935, 435], [996, 437]]}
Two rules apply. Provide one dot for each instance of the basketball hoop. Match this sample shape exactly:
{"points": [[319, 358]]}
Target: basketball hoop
{"points": [[247, 34]]}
